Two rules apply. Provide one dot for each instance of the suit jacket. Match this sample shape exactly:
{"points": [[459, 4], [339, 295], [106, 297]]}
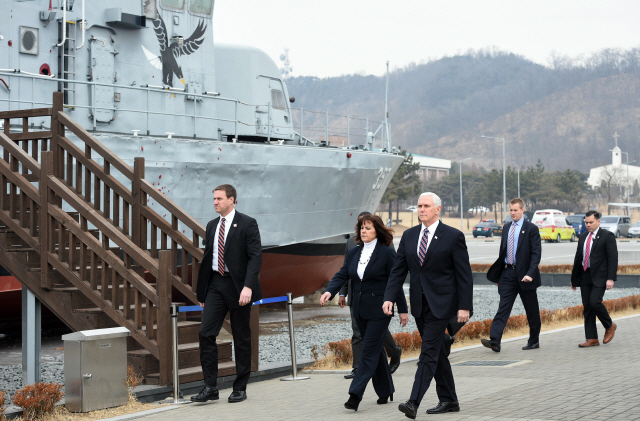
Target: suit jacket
{"points": [[346, 289], [603, 256], [368, 292], [242, 255], [528, 254], [445, 276]]}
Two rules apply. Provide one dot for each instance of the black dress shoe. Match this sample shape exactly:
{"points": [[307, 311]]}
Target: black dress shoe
{"points": [[448, 341], [353, 402], [351, 375], [490, 343], [237, 396], [409, 409], [395, 362], [531, 346], [443, 407], [207, 394], [382, 401]]}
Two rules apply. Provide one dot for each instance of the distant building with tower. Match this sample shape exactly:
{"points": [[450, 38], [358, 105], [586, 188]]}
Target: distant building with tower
{"points": [[615, 173]]}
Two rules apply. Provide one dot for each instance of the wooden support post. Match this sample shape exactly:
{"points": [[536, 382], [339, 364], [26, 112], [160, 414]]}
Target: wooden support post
{"points": [[164, 317], [46, 170], [136, 191], [57, 130], [255, 337]]}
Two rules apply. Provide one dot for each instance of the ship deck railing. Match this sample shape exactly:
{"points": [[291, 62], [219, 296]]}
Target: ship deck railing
{"points": [[340, 131]]}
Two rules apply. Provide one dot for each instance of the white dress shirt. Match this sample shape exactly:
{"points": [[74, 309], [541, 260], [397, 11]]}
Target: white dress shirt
{"points": [[515, 230], [584, 247], [432, 230], [365, 256], [227, 225]]}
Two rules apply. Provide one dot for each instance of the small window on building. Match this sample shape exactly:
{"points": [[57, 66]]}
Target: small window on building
{"points": [[173, 4], [277, 99], [150, 9], [201, 7]]}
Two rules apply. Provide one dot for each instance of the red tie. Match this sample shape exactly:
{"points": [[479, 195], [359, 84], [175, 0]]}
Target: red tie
{"points": [[221, 248], [585, 265]]}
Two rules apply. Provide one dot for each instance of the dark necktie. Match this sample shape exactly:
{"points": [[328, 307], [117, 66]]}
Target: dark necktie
{"points": [[221, 248], [423, 246]]}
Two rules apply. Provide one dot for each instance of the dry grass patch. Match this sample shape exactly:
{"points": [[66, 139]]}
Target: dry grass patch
{"points": [[61, 413], [338, 355]]}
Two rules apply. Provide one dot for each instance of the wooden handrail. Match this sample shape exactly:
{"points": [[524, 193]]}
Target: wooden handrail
{"points": [[24, 158], [115, 235], [17, 179], [164, 226], [30, 135], [32, 112]]}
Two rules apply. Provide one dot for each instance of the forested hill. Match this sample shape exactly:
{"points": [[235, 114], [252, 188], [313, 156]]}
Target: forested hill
{"points": [[564, 114]]}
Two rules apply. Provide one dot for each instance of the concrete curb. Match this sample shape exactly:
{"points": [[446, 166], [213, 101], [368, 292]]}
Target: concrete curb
{"points": [[518, 338], [143, 413]]}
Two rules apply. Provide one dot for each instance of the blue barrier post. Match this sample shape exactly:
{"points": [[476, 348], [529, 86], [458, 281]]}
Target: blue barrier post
{"points": [[292, 340]]}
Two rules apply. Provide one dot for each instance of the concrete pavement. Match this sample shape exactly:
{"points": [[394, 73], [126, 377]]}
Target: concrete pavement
{"points": [[559, 381]]}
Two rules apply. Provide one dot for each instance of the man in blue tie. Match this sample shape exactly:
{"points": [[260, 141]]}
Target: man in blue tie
{"points": [[516, 273]]}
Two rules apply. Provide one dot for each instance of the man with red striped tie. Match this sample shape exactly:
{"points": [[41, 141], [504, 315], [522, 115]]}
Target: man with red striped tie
{"points": [[594, 271], [228, 283]]}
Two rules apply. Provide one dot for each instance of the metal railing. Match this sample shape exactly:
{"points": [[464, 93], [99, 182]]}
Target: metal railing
{"points": [[341, 127]]}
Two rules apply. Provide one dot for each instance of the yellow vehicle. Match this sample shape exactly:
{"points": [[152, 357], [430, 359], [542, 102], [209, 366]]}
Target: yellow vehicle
{"points": [[553, 226]]}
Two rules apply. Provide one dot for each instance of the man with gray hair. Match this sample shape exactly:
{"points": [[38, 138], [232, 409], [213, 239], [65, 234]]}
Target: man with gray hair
{"points": [[441, 285]]}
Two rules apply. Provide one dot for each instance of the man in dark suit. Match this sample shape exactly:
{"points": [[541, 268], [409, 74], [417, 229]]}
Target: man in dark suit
{"points": [[346, 298], [516, 273], [228, 283], [595, 270], [441, 285]]}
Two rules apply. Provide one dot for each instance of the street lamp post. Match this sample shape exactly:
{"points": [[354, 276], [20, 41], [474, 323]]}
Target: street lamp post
{"points": [[504, 174], [518, 170], [461, 208]]}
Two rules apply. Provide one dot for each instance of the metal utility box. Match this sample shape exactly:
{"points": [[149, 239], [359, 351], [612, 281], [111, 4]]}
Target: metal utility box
{"points": [[95, 369]]}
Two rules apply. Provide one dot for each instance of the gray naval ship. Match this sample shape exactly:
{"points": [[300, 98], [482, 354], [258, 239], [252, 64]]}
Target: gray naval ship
{"points": [[146, 78]]}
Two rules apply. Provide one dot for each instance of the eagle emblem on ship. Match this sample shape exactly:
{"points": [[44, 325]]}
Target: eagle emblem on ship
{"points": [[167, 61]]}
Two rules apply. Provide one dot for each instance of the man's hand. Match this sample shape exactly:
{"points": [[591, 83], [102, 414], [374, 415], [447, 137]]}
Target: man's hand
{"points": [[404, 319], [201, 304], [463, 316], [325, 298], [245, 296], [387, 307], [609, 284], [342, 301], [573, 288], [527, 278]]}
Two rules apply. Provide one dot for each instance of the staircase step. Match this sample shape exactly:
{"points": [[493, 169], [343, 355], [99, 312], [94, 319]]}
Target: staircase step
{"points": [[192, 374], [188, 356]]}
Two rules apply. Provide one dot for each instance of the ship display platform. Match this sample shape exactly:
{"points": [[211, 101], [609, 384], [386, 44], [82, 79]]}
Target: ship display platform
{"points": [[559, 381]]}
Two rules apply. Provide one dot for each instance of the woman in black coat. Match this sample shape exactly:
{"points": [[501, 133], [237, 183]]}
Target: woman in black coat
{"points": [[368, 266]]}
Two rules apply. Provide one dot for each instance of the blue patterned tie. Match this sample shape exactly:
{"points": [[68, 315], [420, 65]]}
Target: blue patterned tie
{"points": [[423, 246], [511, 239]]}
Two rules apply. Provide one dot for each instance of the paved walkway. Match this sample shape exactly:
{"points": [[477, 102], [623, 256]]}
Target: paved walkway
{"points": [[559, 381]]}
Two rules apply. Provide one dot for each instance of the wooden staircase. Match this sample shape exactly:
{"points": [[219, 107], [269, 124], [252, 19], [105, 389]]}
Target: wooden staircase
{"points": [[76, 230]]}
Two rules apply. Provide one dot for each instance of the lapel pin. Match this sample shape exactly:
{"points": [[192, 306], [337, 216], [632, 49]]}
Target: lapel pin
{"points": [[597, 237], [235, 225], [523, 232], [436, 237]]}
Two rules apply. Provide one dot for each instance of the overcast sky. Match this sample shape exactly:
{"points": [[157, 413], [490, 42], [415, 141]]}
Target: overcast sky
{"points": [[336, 37]]}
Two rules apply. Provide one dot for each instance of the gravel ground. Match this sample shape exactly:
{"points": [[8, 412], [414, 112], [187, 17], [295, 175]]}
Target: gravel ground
{"points": [[275, 348]]}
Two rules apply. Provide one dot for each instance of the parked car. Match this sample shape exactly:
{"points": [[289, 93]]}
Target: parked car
{"points": [[487, 228], [553, 226], [577, 221], [412, 209], [634, 231], [617, 224], [479, 209]]}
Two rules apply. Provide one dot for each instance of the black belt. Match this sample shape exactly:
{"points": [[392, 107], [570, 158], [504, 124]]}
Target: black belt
{"points": [[508, 266], [222, 274]]}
